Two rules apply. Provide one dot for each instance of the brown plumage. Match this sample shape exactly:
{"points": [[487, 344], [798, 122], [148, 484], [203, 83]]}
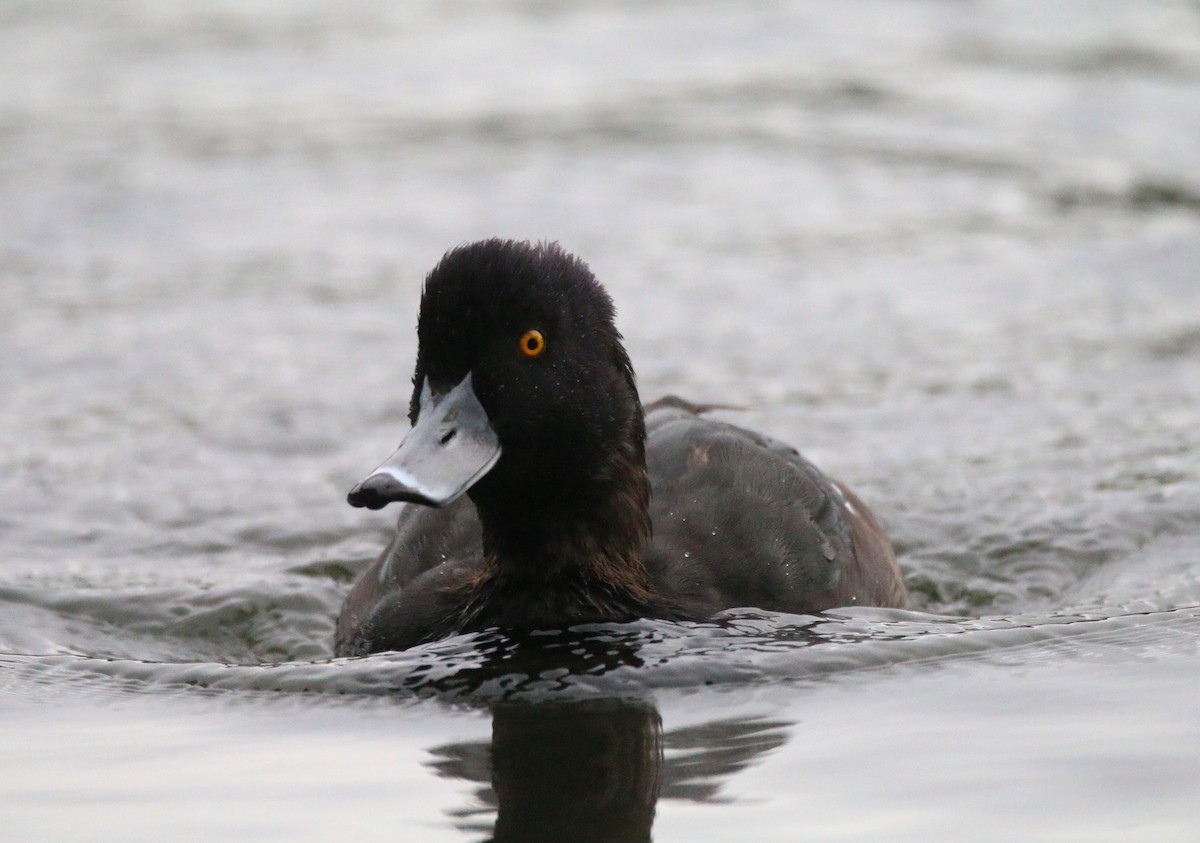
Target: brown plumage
{"points": [[578, 505]]}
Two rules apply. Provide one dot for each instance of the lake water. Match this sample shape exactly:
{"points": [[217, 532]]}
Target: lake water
{"points": [[951, 250]]}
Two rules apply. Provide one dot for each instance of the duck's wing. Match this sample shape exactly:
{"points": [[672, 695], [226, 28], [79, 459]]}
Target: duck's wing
{"points": [[426, 539], [741, 519]]}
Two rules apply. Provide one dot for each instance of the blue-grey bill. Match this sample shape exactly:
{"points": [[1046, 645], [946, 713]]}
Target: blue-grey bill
{"points": [[450, 447]]}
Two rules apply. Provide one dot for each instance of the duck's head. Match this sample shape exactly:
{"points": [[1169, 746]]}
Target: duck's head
{"points": [[522, 389]]}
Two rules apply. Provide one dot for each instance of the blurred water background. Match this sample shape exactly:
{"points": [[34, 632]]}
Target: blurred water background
{"points": [[950, 249]]}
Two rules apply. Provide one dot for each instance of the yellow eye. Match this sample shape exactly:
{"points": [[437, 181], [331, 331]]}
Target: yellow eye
{"points": [[532, 343]]}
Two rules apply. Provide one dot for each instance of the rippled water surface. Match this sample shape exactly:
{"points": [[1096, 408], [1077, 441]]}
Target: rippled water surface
{"points": [[950, 250]]}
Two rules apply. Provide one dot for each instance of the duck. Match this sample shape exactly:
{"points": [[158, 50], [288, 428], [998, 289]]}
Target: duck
{"points": [[539, 493]]}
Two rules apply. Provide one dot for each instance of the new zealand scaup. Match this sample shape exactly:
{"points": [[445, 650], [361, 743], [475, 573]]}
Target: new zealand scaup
{"points": [[543, 495]]}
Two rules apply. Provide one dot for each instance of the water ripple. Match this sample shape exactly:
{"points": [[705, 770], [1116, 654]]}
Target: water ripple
{"points": [[738, 649]]}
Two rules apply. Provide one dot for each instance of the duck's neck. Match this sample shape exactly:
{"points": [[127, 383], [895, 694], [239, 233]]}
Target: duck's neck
{"points": [[588, 535]]}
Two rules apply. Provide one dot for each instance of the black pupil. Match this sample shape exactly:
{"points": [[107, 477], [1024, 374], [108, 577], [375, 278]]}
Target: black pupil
{"points": [[531, 343]]}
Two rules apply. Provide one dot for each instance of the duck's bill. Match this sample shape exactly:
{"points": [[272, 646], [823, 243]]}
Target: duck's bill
{"points": [[450, 447]]}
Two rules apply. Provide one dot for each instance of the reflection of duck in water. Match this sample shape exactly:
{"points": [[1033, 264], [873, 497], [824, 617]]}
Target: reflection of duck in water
{"points": [[594, 770], [585, 508]]}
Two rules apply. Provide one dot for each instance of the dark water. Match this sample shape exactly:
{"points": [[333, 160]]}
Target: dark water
{"points": [[949, 249]]}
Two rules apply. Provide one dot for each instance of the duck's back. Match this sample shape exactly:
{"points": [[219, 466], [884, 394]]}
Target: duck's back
{"points": [[742, 520]]}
